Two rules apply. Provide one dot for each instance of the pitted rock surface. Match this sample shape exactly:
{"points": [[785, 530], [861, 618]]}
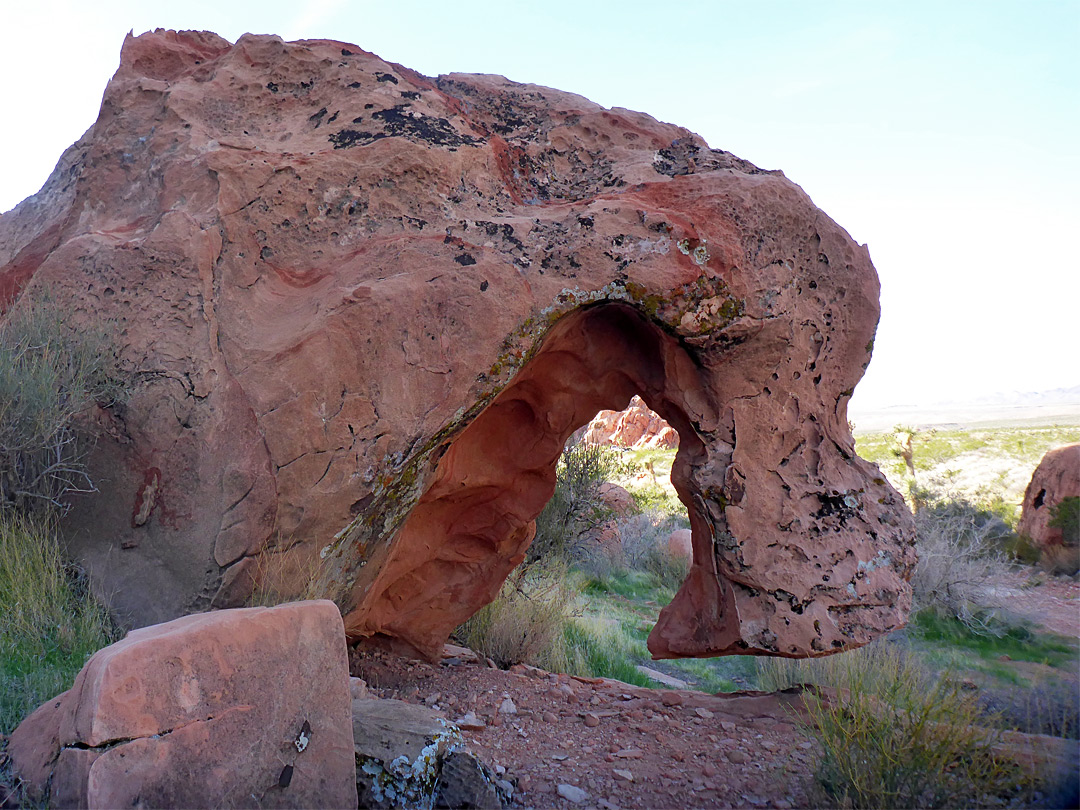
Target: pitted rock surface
{"points": [[365, 309]]}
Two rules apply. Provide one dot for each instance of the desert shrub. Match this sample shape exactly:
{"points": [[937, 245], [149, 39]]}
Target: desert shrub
{"points": [[527, 621], [642, 547], [1066, 516], [49, 374], [576, 509], [1064, 557], [891, 735], [960, 551], [50, 623]]}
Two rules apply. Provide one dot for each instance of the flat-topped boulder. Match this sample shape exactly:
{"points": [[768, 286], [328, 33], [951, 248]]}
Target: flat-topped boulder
{"points": [[365, 308]]}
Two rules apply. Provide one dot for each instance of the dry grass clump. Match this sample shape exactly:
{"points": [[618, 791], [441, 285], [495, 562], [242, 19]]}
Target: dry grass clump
{"points": [[49, 621], [527, 622], [892, 736]]}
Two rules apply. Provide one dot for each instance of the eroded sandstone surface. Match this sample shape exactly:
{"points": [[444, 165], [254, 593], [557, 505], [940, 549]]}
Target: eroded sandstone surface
{"points": [[365, 308], [237, 708], [1056, 478]]}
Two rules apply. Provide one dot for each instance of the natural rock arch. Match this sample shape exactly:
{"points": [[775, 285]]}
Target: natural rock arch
{"points": [[473, 524], [330, 274]]}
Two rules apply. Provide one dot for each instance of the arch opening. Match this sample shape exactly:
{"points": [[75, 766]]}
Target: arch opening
{"points": [[474, 522]]}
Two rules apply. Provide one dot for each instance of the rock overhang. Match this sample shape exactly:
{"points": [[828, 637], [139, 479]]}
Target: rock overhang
{"points": [[356, 265]]}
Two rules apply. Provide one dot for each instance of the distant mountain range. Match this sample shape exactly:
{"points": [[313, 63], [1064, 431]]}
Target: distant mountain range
{"points": [[1021, 399], [1060, 405]]}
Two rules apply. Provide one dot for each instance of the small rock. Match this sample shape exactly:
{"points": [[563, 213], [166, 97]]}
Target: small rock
{"points": [[507, 707], [738, 757], [591, 720], [358, 688], [572, 793], [704, 714], [432, 699], [806, 746], [671, 698], [709, 770], [470, 722], [630, 753], [768, 745], [506, 788], [549, 717], [678, 756], [727, 725], [626, 776]]}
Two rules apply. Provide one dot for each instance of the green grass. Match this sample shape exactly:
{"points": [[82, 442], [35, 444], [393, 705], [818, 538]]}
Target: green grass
{"points": [[49, 623], [1017, 641]]}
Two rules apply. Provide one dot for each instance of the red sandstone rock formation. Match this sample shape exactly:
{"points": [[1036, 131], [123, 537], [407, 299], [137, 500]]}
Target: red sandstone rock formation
{"points": [[680, 544], [617, 499], [1057, 477], [637, 426], [238, 708], [366, 308]]}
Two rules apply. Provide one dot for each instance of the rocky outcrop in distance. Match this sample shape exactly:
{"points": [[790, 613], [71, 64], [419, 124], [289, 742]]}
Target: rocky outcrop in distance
{"points": [[635, 427], [1056, 478], [365, 308]]}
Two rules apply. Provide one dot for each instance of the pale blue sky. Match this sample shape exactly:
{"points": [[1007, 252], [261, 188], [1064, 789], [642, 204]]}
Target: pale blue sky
{"points": [[943, 134]]}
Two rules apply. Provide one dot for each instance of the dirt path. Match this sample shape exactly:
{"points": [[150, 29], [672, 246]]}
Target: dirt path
{"points": [[1049, 602], [620, 745]]}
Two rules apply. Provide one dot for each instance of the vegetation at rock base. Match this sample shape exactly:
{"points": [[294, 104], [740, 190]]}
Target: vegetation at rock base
{"points": [[49, 622], [892, 735], [51, 374]]}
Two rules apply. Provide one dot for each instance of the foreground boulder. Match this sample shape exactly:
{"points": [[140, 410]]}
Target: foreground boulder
{"points": [[365, 309], [409, 755], [239, 708], [1056, 479]]}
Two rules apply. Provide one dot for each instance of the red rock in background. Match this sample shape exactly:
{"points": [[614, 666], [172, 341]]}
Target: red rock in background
{"points": [[636, 427], [680, 544], [211, 710], [365, 308], [1057, 477], [617, 499]]}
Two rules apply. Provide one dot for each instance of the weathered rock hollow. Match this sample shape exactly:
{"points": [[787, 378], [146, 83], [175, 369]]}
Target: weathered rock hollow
{"points": [[365, 309]]}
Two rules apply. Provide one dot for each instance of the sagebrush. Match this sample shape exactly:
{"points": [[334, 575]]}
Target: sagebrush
{"points": [[50, 373]]}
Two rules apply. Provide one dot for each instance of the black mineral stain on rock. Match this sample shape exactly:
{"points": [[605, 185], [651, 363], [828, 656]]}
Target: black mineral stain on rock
{"points": [[286, 777]]}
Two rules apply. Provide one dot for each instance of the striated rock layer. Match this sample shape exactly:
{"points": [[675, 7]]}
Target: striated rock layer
{"points": [[366, 308]]}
